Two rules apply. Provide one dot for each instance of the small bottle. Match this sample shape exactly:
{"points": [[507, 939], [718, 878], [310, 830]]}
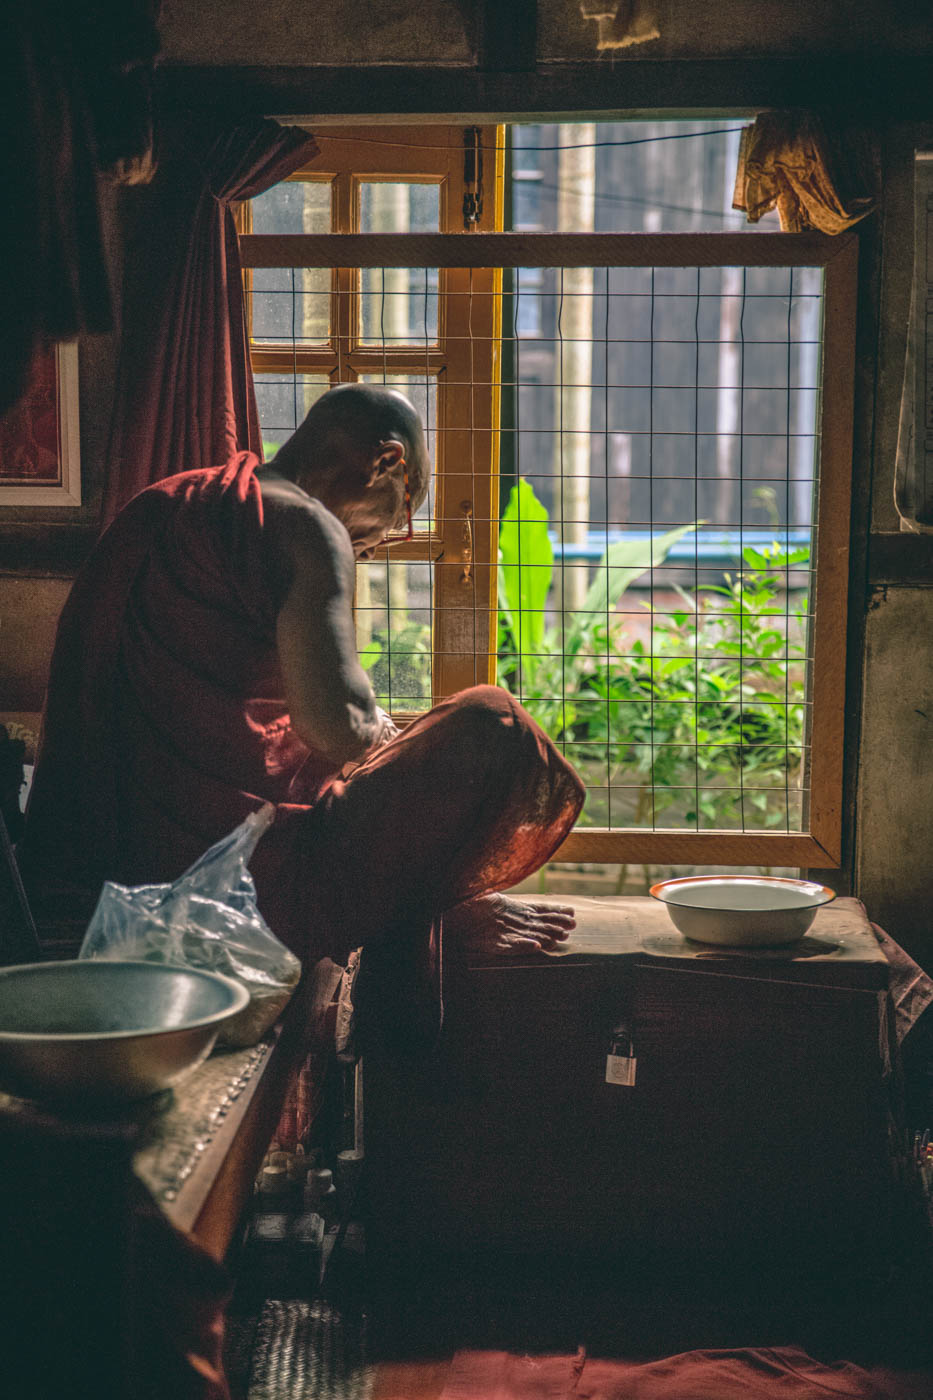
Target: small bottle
{"points": [[273, 1186], [347, 1171], [320, 1193], [297, 1167]]}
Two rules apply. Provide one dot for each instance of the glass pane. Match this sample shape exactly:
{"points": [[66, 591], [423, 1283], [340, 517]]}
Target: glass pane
{"points": [[628, 177], [674, 414], [283, 401], [392, 207], [398, 306], [294, 206], [393, 628], [291, 306], [423, 394]]}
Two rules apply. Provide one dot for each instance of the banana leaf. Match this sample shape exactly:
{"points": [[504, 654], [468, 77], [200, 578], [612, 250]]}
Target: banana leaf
{"points": [[621, 565], [526, 567]]}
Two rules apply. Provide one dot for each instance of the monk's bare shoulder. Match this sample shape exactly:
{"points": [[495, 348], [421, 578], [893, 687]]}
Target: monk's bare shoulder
{"points": [[303, 539], [330, 701]]}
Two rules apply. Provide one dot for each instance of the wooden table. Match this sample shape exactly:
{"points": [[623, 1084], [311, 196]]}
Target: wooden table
{"points": [[71, 1198]]}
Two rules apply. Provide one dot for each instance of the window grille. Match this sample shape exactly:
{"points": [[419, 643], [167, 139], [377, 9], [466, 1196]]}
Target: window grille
{"points": [[671, 531]]}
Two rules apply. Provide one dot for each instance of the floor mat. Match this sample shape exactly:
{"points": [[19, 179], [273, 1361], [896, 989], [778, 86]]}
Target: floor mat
{"points": [[308, 1351]]}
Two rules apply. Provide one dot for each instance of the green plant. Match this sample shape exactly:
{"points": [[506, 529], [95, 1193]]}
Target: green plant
{"points": [[706, 719], [539, 657], [748, 688], [399, 664]]}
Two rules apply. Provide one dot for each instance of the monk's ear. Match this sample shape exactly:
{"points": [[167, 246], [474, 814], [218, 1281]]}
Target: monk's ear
{"points": [[388, 455]]}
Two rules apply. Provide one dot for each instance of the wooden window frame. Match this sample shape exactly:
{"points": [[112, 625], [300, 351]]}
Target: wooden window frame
{"points": [[467, 594], [432, 154]]}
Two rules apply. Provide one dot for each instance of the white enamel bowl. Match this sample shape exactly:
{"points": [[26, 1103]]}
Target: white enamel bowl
{"points": [[742, 911], [94, 1034]]}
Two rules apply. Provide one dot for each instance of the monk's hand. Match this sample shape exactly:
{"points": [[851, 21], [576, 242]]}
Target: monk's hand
{"points": [[388, 729], [497, 924]]}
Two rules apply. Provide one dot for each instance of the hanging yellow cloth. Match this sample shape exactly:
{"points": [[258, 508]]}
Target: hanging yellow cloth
{"points": [[815, 179]]}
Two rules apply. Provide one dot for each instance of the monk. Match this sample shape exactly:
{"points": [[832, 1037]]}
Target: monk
{"points": [[206, 662]]}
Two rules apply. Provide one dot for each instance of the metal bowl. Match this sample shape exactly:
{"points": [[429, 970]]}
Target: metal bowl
{"points": [[98, 1033], [742, 911]]}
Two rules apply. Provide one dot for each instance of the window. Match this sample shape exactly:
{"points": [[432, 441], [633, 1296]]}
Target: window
{"points": [[433, 332], [666, 414]]}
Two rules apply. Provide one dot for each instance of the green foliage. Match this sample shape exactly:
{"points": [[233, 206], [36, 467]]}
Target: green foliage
{"points": [[705, 717], [710, 717], [698, 713], [621, 565], [399, 664], [526, 569], [526, 565]]}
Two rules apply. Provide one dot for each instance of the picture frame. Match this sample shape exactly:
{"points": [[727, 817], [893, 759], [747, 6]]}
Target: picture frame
{"points": [[40, 448]]}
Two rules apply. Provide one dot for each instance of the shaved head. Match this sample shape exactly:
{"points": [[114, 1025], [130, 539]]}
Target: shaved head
{"points": [[352, 420]]}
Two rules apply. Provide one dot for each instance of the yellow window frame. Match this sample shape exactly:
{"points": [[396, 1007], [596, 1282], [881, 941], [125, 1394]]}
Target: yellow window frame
{"points": [[464, 362], [463, 542]]}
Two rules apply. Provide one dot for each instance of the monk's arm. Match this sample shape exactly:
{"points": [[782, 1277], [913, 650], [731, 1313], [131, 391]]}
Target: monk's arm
{"points": [[331, 702]]}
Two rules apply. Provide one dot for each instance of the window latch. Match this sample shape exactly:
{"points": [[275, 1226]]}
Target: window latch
{"points": [[467, 546]]}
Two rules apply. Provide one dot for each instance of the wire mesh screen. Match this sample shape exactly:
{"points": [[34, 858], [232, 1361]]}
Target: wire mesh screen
{"points": [[643, 581], [657, 542]]}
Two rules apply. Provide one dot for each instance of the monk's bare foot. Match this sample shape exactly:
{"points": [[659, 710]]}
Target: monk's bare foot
{"points": [[497, 924]]}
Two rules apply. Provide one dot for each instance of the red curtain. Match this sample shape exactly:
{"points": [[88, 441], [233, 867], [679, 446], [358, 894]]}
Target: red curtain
{"points": [[184, 395], [75, 101]]}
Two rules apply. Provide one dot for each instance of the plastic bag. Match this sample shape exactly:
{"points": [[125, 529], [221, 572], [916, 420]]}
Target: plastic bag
{"points": [[207, 918]]}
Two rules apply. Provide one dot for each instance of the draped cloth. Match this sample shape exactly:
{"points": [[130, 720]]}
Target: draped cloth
{"points": [[621, 23], [184, 394], [75, 102], [165, 725], [765, 1373], [815, 178]]}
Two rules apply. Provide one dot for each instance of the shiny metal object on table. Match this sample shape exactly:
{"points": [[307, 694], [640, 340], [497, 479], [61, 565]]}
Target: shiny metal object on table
{"points": [[742, 911], [91, 1035]]}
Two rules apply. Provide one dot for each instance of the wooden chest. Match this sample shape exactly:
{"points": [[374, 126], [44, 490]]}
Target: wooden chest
{"points": [[756, 1124]]}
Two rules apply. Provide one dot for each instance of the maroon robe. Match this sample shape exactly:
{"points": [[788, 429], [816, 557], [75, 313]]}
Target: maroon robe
{"points": [[166, 724]]}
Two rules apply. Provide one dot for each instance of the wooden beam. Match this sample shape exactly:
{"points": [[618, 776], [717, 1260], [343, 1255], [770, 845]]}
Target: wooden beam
{"points": [[30, 550], [867, 86], [827, 683], [679, 847], [509, 40], [902, 561], [541, 249]]}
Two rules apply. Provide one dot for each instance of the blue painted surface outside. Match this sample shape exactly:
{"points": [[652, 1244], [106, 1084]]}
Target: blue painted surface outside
{"points": [[709, 547]]}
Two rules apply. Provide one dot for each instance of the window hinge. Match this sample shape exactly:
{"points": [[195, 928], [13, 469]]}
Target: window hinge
{"points": [[472, 176]]}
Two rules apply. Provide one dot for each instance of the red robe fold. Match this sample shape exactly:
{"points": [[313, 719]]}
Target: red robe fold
{"points": [[165, 725]]}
